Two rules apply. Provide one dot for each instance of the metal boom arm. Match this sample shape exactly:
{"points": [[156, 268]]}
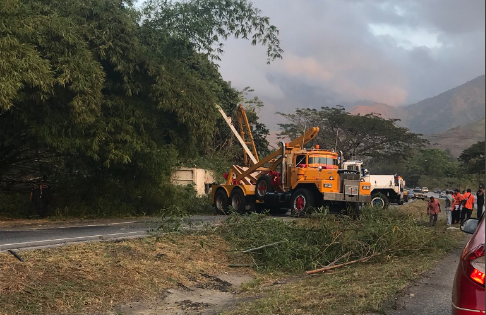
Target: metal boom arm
{"points": [[242, 142]]}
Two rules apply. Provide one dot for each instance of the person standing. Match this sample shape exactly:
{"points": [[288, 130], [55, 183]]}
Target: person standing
{"points": [[40, 197], [467, 202], [456, 206], [480, 201], [34, 197], [433, 209], [449, 200]]}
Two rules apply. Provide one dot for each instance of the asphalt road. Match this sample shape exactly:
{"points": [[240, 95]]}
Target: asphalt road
{"points": [[431, 294], [50, 234]]}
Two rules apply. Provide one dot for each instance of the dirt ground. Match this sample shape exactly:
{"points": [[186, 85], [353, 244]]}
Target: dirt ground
{"points": [[203, 299]]}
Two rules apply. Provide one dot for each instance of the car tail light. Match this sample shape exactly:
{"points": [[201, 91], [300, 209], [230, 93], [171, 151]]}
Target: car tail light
{"points": [[477, 260]]}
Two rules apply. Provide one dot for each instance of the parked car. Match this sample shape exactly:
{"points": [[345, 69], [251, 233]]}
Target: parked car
{"points": [[437, 190], [442, 194], [411, 194], [418, 188], [468, 288], [425, 190], [419, 194]]}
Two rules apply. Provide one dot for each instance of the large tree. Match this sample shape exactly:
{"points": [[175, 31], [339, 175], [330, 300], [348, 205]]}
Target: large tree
{"points": [[369, 136]]}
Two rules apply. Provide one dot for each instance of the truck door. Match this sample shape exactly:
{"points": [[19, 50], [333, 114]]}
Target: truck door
{"points": [[300, 161]]}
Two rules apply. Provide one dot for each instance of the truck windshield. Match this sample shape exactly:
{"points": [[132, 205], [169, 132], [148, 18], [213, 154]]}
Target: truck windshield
{"points": [[323, 160]]}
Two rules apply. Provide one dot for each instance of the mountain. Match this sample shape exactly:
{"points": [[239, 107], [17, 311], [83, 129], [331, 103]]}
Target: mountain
{"points": [[459, 106], [458, 139], [384, 110]]}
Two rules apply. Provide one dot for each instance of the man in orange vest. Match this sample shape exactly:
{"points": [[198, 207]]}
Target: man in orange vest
{"points": [[456, 206], [467, 202]]}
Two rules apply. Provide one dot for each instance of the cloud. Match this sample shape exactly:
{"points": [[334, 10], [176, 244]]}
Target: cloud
{"points": [[390, 51]]}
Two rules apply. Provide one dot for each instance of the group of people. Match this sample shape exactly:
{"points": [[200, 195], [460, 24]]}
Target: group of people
{"points": [[458, 206]]}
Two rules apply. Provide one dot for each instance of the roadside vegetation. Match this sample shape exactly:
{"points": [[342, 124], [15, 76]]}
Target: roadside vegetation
{"points": [[92, 278]]}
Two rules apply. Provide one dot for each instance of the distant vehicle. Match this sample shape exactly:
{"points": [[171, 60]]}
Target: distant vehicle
{"points": [[419, 194], [468, 287], [437, 191], [425, 190], [411, 194], [442, 194], [418, 188]]}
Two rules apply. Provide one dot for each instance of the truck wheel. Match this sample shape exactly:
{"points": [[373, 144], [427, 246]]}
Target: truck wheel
{"points": [[302, 200], [379, 200], [238, 201], [263, 185], [221, 202]]}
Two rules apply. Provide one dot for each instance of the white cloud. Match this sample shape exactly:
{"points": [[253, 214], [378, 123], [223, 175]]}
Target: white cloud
{"points": [[407, 37]]}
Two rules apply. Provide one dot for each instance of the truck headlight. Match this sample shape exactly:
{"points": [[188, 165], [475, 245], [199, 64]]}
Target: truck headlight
{"points": [[327, 185], [366, 187]]}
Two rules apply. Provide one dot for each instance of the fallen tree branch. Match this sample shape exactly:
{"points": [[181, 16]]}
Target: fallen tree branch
{"points": [[341, 265], [268, 245]]}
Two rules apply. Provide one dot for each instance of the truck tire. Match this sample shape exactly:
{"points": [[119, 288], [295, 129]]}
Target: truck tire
{"points": [[238, 200], [221, 202], [263, 185], [301, 201], [379, 200]]}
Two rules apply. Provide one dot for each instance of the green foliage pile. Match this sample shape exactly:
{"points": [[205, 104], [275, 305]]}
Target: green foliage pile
{"points": [[106, 99], [327, 239]]}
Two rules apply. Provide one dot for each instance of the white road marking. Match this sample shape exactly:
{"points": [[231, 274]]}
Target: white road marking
{"points": [[91, 225], [71, 238]]}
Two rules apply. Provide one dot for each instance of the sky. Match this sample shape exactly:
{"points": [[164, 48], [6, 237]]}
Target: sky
{"points": [[345, 51]]}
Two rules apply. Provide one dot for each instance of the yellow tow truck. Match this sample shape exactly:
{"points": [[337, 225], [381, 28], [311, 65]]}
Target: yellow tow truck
{"points": [[294, 178]]}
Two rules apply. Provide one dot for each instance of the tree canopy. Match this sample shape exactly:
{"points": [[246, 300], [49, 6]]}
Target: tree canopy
{"points": [[367, 136], [102, 89], [473, 159]]}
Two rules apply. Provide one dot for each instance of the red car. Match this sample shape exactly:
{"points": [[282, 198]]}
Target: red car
{"points": [[468, 291]]}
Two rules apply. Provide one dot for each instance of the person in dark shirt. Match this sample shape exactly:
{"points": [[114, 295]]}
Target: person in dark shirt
{"points": [[480, 200], [40, 197]]}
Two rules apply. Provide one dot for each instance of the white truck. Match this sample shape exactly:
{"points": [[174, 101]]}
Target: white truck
{"points": [[385, 189]]}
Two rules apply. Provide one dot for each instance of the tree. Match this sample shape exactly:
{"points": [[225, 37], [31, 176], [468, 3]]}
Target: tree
{"points": [[205, 23], [472, 160], [364, 137], [98, 89]]}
